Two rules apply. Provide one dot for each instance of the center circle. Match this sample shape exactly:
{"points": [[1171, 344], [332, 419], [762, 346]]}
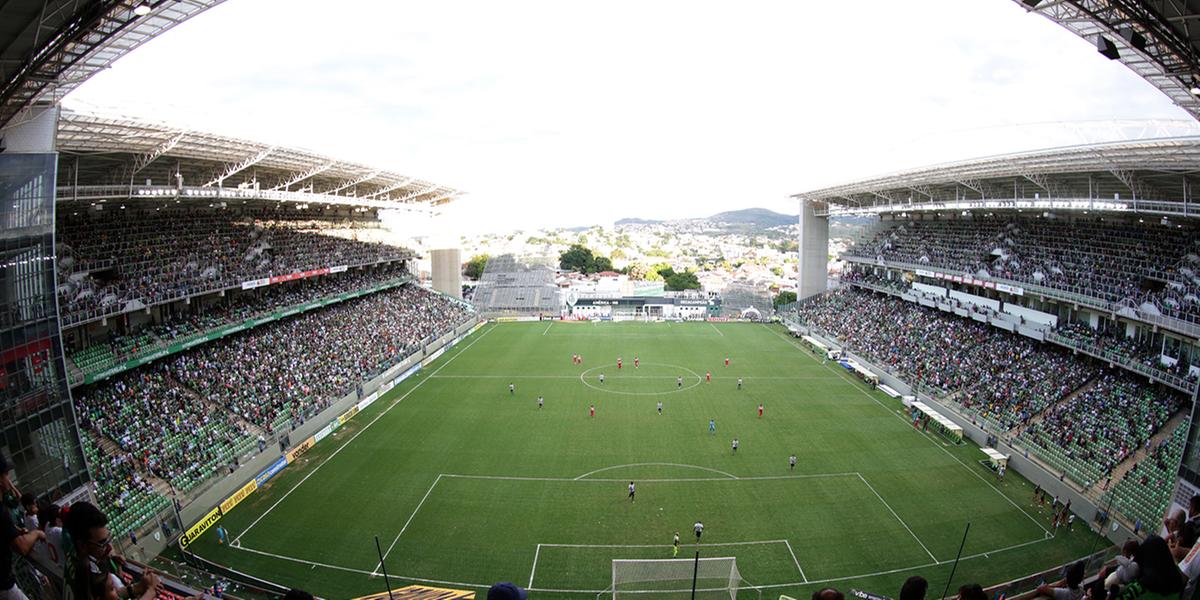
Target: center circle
{"points": [[591, 379]]}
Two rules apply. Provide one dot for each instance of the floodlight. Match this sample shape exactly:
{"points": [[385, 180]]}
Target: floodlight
{"points": [[1106, 47]]}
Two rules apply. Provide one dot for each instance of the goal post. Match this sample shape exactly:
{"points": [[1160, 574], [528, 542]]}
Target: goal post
{"points": [[716, 578]]}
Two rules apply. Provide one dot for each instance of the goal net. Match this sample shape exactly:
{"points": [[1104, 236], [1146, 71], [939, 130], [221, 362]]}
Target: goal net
{"points": [[716, 578]]}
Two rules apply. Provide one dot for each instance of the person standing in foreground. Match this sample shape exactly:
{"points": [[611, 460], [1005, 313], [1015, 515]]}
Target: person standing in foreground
{"points": [[675, 546]]}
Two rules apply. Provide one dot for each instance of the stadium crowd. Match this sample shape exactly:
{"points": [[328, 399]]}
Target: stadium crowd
{"points": [[1115, 262], [190, 416], [1081, 418], [241, 305], [114, 260]]}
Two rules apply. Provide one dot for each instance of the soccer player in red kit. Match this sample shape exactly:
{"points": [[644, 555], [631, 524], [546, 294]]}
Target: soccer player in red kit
{"points": [[760, 409], [618, 362], [727, 361], [636, 362], [593, 410], [707, 376]]}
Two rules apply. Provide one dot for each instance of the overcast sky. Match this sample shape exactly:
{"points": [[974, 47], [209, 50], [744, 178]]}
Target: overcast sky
{"points": [[571, 113]]}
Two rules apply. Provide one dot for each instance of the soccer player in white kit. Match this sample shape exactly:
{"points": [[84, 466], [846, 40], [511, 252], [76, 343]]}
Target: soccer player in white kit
{"points": [[660, 407]]}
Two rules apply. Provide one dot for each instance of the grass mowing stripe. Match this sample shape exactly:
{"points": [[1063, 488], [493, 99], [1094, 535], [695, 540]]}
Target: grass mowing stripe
{"points": [[496, 528], [925, 435], [889, 507], [356, 434], [409, 521]]}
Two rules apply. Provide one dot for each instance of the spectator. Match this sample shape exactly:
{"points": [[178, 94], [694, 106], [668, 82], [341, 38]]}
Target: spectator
{"points": [[1126, 569], [506, 591], [828, 594], [1158, 574], [13, 542], [87, 527], [1069, 588], [914, 588], [972, 591]]}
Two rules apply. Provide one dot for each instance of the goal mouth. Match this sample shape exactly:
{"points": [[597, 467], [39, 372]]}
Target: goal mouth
{"points": [[709, 578]]}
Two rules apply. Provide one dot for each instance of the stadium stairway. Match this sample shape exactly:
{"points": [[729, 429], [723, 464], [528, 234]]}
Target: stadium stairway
{"points": [[252, 429], [1065, 399], [1163, 433]]}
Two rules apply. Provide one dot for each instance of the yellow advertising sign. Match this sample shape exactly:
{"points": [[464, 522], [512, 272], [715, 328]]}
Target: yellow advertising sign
{"points": [[238, 496], [295, 453], [346, 415], [190, 535], [422, 592]]}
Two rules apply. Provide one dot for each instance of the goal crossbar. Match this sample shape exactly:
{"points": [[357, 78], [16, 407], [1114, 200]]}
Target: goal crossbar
{"points": [[714, 578]]}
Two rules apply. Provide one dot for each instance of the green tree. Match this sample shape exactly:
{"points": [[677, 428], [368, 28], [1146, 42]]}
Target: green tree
{"points": [[474, 267], [785, 298], [664, 270], [576, 258], [601, 263], [682, 281], [778, 271]]}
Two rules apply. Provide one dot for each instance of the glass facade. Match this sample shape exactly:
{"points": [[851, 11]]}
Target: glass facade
{"points": [[37, 424]]}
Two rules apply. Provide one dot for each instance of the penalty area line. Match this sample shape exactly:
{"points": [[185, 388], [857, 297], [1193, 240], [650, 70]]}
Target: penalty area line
{"points": [[358, 433], [924, 435]]}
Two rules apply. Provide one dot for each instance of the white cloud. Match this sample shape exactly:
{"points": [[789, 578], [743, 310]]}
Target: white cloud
{"points": [[570, 113]]}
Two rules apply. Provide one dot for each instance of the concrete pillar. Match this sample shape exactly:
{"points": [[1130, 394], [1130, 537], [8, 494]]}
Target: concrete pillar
{"points": [[446, 268], [814, 253]]}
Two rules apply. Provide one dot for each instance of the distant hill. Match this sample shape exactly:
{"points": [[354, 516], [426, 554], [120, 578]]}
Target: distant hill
{"points": [[760, 217], [637, 222]]}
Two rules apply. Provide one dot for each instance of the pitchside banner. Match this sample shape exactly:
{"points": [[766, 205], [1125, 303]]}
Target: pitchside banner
{"points": [[238, 496], [270, 471], [198, 529], [298, 451]]}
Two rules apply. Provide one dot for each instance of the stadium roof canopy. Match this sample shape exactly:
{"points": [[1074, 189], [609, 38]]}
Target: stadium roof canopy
{"points": [[105, 158], [49, 47], [1157, 39], [1155, 176]]}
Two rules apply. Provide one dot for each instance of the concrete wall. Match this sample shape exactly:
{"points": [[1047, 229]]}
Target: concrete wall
{"points": [[446, 269], [814, 253]]}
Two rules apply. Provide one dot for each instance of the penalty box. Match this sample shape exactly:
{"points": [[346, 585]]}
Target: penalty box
{"points": [[564, 533]]}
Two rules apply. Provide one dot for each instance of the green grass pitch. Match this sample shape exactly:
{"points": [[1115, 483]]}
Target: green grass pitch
{"points": [[466, 485]]}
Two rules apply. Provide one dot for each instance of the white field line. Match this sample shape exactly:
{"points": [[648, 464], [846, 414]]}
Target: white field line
{"points": [[925, 435], [533, 569], [671, 377], [356, 434], [889, 507], [789, 547], [657, 464], [664, 480], [701, 545], [548, 328], [302, 561], [715, 329], [409, 521], [575, 591]]}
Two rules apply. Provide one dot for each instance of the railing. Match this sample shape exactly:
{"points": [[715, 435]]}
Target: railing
{"points": [[167, 347], [198, 193], [1125, 361], [83, 317], [1188, 327]]}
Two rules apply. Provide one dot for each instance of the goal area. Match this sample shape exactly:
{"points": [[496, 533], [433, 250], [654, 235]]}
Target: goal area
{"points": [[715, 579]]}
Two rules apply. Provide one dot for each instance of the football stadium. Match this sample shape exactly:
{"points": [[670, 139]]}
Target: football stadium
{"points": [[223, 376]]}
